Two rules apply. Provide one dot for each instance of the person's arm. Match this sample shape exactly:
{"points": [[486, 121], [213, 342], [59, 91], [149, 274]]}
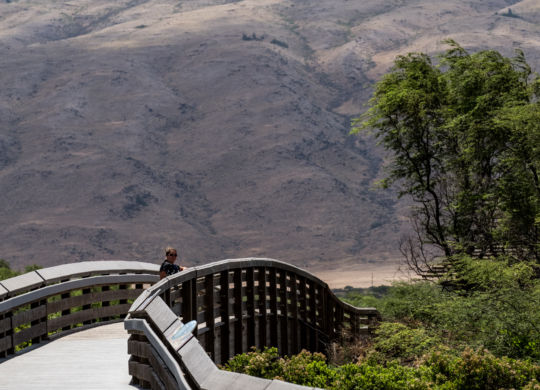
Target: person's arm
{"points": [[162, 274]]}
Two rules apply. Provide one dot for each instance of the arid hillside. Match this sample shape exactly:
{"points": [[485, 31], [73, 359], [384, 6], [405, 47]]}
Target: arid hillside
{"points": [[220, 127]]}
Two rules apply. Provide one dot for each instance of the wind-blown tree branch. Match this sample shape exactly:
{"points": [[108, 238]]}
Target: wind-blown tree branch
{"points": [[464, 140]]}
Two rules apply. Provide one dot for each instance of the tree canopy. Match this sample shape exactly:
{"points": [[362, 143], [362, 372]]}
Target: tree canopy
{"points": [[464, 142]]}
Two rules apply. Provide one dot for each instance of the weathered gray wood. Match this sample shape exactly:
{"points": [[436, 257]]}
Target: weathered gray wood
{"points": [[27, 316], [238, 312], [5, 325], [198, 365], [250, 307], [22, 283], [363, 310], [30, 333], [283, 307], [294, 339], [161, 371], [3, 292], [261, 307], [139, 348], [220, 380], [300, 311], [85, 299], [250, 382], [156, 383], [274, 323], [225, 331], [214, 267], [142, 326], [87, 268], [85, 315], [210, 315], [56, 289], [6, 343], [142, 371], [141, 300], [160, 314], [313, 317]]}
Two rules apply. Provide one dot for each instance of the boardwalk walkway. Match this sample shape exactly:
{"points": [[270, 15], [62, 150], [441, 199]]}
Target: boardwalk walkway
{"points": [[96, 358]]}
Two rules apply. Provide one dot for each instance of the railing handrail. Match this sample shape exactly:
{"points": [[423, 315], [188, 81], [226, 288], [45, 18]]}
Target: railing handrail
{"points": [[232, 264], [46, 276], [262, 292], [207, 293], [37, 304]]}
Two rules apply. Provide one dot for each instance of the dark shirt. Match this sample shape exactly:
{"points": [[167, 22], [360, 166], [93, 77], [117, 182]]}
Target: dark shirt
{"points": [[169, 268]]}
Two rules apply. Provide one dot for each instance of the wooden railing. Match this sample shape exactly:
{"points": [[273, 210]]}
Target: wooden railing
{"points": [[41, 304], [238, 304]]}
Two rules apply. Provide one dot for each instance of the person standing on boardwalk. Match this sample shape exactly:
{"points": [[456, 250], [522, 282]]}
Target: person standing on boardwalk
{"points": [[168, 267]]}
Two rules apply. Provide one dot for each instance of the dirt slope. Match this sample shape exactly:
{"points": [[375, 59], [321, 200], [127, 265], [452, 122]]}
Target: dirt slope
{"points": [[220, 127]]}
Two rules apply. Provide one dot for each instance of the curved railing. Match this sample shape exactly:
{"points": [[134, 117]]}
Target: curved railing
{"points": [[237, 304], [38, 305]]}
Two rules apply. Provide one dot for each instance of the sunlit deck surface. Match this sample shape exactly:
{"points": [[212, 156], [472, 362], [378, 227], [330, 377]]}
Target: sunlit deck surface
{"points": [[96, 358]]}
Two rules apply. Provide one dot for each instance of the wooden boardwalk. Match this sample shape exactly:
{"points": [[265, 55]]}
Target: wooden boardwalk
{"points": [[96, 358]]}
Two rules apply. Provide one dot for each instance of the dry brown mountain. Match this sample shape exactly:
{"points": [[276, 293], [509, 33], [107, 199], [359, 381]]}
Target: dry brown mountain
{"points": [[220, 127]]}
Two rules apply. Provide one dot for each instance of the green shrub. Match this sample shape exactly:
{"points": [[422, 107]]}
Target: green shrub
{"points": [[263, 364], [499, 310], [439, 369], [480, 370], [308, 369], [398, 342], [5, 270]]}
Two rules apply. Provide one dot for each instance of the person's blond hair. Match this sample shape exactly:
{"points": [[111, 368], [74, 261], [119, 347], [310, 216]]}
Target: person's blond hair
{"points": [[169, 249]]}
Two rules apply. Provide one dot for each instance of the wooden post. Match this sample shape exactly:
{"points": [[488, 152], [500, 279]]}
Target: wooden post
{"points": [[273, 308], [303, 314], [224, 312], [313, 334], [261, 292], [189, 302], [105, 303], [238, 312], [295, 348], [250, 308], [88, 306], [209, 315], [284, 318]]}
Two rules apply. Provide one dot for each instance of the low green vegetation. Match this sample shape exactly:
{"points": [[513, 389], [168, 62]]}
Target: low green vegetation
{"points": [[6, 272], [431, 337], [439, 369]]}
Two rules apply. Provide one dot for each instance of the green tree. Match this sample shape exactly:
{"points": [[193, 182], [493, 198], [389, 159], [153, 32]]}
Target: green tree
{"points": [[464, 140], [5, 270]]}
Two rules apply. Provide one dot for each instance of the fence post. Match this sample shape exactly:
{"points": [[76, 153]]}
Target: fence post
{"points": [[225, 317]]}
